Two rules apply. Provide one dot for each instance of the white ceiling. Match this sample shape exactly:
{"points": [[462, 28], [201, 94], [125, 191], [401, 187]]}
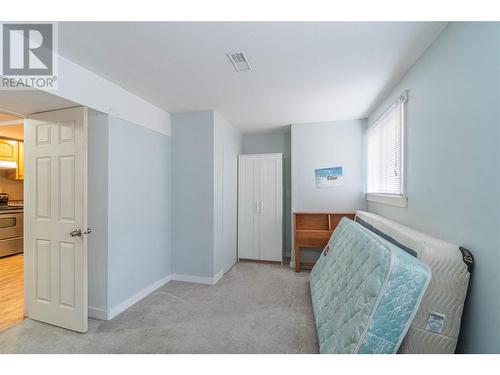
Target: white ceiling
{"points": [[301, 72], [26, 102]]}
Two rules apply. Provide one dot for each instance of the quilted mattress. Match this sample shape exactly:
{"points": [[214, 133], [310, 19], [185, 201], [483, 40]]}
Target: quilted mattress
{"points": [[436, 325], [365, 292]]}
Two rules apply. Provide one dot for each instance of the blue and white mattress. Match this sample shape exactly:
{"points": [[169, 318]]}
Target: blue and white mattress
{"points": [[365, 292], [436, 326]]}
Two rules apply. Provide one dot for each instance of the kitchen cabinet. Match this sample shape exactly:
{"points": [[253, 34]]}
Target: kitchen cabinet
{"points": [[20, 161], [13, 151], [8, 150], [260, 207]]}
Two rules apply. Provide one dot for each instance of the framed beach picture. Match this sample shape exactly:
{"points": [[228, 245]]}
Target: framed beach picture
{"points": [[328, 177]]}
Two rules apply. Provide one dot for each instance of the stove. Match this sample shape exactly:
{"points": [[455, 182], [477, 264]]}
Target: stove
{"points": [[6, 204], [4, 199], [15, 204], [11, 208], [11, 226]]}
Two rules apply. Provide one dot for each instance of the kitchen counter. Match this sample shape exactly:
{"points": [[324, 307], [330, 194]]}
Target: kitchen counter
{"points": [[10, 210]]}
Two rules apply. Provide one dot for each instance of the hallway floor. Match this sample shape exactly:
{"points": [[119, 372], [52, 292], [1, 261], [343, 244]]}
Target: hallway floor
{"points": [[11, 290], [255, 308]]}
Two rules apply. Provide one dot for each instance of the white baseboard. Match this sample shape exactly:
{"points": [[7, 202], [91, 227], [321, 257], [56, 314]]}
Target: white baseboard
{"points": [[137, 297], [218, 277], [102, 314], [197, 279], [98, 313]]}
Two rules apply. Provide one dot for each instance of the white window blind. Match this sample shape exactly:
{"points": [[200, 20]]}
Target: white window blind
{"points": [[384, 143]]}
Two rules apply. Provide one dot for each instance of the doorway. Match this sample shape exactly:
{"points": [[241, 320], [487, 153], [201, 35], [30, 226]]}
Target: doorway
{"points": [[11, 219], [43, 210]]}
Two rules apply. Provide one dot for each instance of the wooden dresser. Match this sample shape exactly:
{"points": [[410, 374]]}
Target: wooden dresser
{"points": [[313, 230]]}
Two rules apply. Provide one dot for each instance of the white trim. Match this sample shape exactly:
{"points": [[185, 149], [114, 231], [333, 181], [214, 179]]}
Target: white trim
{"points": [[261, 154], [101, 314], [292, 192], [98, 313], [392, 200], [217, 277], [197, 279], [26, 210], [20, 115], [137, 297], [404, 99]]}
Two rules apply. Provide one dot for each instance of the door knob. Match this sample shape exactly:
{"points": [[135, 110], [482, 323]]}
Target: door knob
{"points": [[88, 231], [76, 233]]}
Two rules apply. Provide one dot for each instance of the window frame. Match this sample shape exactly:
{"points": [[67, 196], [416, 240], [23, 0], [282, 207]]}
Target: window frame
{"points": [[390, 199]]}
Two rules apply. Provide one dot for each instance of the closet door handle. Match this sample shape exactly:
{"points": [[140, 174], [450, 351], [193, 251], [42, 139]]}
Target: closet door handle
{"points": [[257, 207], [260, 207]]}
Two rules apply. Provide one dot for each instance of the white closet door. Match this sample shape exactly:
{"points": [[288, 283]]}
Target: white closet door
{"points": [[270, 207], [248, 214]]}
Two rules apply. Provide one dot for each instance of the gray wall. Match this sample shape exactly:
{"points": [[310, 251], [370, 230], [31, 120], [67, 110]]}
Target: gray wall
{"points": [[98, 214], [453, 162], [227, 146], [193, 190], [279, 142], [139, 209], [328, 144]]}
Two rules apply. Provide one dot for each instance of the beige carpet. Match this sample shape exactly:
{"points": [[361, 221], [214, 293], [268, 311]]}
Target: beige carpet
{"points": [[255, 308]]}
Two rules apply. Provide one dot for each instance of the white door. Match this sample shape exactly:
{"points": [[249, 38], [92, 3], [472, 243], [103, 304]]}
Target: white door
{"points": [[248, 207], [56, 217], [270, 207]]}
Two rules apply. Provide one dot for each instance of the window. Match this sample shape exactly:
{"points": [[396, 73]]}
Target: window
{"points": [[385, 178]]}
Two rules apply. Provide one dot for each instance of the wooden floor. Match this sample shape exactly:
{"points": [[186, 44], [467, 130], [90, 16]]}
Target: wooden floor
{"points": [[11, 290]]}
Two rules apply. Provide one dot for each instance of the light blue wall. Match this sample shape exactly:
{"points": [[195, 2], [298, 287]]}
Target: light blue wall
{"points": [[193, 192], [322, 145], [205, 156], [276, 142], [227, 146], [139, 209], [453, 162], [98, 215]]}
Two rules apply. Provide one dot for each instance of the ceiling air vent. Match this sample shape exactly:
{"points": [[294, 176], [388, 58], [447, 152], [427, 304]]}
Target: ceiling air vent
{"points": [[239, 61]]}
